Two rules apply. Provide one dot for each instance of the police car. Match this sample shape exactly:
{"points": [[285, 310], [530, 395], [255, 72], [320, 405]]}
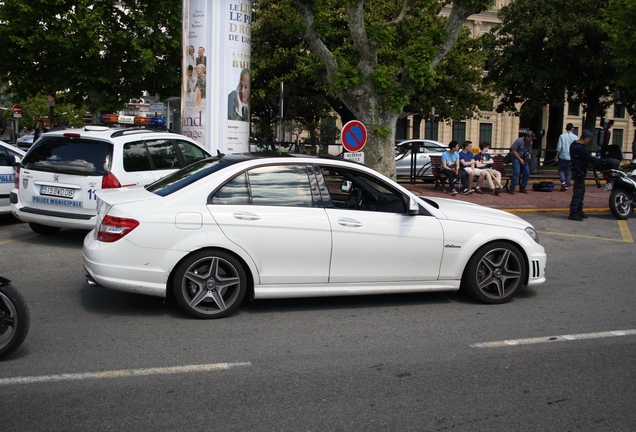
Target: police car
{"points": [[9, 158], [57, 181]]}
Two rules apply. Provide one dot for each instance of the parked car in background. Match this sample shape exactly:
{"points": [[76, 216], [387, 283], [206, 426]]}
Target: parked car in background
{"points": [[423, 149], [300, 226], [57, 182], [10, 156], [26, 141]]}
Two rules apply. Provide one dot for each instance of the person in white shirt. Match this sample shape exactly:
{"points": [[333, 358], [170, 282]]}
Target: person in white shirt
{"points": [[563, 156]]}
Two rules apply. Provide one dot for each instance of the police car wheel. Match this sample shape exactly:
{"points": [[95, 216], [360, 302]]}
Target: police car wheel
{"points": [[43, 229]]}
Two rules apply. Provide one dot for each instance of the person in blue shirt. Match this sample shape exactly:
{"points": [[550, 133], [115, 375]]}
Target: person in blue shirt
{"points": [[450, 167], [521, 151], [563, 156]]}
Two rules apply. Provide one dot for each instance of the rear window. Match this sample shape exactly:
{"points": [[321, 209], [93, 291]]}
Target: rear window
{"points": [[70, 156]]}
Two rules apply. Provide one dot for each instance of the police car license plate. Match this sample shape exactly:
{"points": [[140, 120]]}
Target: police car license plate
{"points": [[56, 191]]}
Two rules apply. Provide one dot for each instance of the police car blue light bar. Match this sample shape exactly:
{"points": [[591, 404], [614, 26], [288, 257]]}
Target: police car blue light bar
{"points": [[132, 120]]}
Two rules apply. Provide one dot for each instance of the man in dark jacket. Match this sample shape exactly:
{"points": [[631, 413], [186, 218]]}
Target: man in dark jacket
{"points": [[580, 158]]}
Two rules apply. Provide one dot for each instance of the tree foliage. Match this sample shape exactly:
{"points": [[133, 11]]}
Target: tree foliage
{"points": [[621, 28], [97, 53], [544, 49], [376, 57]]}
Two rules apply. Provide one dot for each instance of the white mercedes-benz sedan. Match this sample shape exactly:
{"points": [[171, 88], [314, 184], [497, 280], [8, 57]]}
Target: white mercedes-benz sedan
{"points": [[299, 226]]}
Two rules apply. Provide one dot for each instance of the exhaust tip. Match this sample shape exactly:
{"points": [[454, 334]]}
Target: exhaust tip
{"points": [[90, 280]]}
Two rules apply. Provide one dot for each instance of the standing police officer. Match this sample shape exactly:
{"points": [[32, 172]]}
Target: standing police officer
{"points": [[580, 159]]}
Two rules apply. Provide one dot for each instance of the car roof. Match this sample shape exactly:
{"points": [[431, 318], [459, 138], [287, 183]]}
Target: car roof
{"points": [[106, 132], [12, 148]]}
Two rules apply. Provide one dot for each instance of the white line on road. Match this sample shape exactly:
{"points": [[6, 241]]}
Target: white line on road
{"points": [[547, 339], [122, 373]]}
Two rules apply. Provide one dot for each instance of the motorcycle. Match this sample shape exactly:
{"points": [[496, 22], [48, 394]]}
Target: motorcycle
{"points": [[14, 318], [622, 187]]}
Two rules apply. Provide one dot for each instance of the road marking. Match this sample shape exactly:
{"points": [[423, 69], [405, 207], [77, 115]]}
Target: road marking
{"points": [[17, 239], [625, 232], [122, 373], [581, 236], [548, 339]]}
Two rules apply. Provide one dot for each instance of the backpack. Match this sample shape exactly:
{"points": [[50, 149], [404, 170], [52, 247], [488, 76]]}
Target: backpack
{"points": [[543, 186]]}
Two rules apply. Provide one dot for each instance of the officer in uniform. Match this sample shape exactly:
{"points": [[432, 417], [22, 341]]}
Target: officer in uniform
{"points": [[580, 159]]}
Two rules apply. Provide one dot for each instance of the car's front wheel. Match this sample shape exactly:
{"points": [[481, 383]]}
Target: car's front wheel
{"points": [[43, 229], [210, 284], [495, 273]]}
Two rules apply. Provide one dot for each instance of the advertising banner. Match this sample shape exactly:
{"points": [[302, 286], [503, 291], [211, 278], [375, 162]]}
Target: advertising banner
{"points": [[216, 85]]}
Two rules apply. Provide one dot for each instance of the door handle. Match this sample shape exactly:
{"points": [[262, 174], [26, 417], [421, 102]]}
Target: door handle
{"points": [[246, 216], [349, 222]]}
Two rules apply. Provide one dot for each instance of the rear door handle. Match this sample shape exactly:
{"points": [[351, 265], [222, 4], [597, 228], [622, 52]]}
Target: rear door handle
{"points": [[246, 216]]}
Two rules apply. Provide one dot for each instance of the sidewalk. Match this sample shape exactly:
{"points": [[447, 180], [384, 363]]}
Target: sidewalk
{"points": [[596, 199]]}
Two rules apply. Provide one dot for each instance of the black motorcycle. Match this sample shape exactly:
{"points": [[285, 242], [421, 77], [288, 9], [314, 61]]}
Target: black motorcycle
{"points": [[622, 187], [14, 318]]}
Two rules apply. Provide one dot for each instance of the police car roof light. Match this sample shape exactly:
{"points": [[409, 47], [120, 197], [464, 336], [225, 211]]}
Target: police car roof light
{"points": [[132, 120]]}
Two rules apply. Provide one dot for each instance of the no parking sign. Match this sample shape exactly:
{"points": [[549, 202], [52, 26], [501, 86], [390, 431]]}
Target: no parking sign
{"points": [[354, 136]]}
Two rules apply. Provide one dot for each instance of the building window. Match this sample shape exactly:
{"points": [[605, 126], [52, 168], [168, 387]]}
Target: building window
{"points": [[459, 132], [431, 130], [573, 109], [575, 130], [617, 137], [619, 111], [485, 132], [401, 128]]}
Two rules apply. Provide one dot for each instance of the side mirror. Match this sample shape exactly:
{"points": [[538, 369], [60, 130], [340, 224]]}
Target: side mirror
{"points": [[346, 186], [414, 207]]}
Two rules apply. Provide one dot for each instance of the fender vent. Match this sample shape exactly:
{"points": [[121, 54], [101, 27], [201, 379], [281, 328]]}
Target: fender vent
{"points": [[536, 270]]}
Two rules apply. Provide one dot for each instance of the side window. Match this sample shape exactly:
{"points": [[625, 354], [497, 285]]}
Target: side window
{"points": [[190, 152], [163, 154], [286, 185], [353, 190], [136, 157], [234, 192]]}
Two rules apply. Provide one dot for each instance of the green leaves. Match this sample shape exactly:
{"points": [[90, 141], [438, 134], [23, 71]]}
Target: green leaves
{"points": [[100, 53]]}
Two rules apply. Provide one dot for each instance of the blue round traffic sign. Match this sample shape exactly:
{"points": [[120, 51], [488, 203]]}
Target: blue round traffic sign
{"points": [[354, 136]]}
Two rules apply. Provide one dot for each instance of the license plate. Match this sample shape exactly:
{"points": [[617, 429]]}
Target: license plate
{"points": [[609, 186], [57, 191]]}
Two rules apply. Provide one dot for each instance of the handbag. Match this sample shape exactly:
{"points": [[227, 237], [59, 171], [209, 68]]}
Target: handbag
{"points": [[508, 158]]}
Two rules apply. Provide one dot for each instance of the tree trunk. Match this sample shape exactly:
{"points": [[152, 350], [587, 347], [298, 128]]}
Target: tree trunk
{"points": [[555, 129]]}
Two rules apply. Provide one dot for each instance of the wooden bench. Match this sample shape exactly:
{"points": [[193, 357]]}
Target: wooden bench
{"points": [[440, 177]]}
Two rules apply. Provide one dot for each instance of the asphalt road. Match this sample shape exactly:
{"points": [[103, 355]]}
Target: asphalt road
{"points": [[559, 357]]}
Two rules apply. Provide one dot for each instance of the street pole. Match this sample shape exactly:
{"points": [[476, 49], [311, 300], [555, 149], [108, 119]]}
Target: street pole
{"points": [[281, 135]]}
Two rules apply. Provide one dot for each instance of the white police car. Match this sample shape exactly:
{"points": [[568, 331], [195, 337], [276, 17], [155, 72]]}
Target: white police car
{"points": [[9, 158], [57, 182]]}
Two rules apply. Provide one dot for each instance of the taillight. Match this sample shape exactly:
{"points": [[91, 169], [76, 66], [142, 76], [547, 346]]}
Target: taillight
{"points": [[109, 181], [608, 175], [16, 177], [113, 228]]}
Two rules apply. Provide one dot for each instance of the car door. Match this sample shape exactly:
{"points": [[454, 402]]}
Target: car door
{"points": [[274, 213], [404, 161], [8, 160], [375, 240]]}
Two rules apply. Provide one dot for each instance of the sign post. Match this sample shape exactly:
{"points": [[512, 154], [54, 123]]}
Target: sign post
{"points": [[354, 137]]}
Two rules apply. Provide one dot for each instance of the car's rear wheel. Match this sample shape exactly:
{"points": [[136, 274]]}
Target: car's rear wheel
{"points": [[43, 229], [495, 273], [210, 284]]}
